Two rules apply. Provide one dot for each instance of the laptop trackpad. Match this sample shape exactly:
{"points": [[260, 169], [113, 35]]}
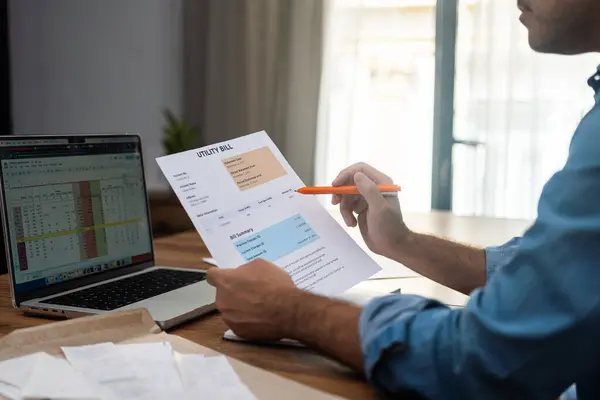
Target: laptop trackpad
{"points": [[177, 302]]}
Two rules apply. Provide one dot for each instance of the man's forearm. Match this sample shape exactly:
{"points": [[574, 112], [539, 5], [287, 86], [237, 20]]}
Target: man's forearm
{"points": [[451, 264], [329, 325]]}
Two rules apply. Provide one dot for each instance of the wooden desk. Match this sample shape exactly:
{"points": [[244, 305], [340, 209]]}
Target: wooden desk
{"points": [[302, 365]]}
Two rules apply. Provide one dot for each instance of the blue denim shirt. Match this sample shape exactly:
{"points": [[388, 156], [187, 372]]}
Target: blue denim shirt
{"points": [[533, 331]]}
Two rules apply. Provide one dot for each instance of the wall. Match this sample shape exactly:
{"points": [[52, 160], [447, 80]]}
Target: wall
{"points": [[97, 66]]}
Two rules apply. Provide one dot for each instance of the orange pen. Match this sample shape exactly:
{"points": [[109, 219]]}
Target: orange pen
{"points": [[344, 189]]}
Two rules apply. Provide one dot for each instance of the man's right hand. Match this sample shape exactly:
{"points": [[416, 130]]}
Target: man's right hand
{"points": [[379, 217], [381, 224]]}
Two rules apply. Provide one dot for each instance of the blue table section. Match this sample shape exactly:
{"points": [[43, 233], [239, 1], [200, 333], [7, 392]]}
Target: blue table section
{"points": [[278, 240]]}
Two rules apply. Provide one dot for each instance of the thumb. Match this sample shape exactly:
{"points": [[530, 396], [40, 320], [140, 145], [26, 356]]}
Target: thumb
{"points": [[369, 190], [213, 275]]}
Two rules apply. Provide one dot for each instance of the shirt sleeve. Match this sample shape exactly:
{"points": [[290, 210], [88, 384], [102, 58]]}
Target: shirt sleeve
{"points": [[497, 256], [529, 333]]}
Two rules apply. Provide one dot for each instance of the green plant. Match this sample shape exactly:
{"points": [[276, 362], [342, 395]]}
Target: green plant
{"points": [[179, 135]]}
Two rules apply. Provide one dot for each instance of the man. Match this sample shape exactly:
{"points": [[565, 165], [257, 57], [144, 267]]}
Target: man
{"points": [[532, 325]]}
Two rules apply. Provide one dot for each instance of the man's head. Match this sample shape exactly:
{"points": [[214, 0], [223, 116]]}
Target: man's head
{"points": [[562, 26]]}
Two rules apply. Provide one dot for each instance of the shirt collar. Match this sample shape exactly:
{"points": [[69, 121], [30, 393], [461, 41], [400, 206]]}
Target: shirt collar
{"points": [[594, 83]]}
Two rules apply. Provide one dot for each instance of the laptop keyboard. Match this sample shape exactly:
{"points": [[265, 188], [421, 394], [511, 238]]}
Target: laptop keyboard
{"points": [[123, 292]]}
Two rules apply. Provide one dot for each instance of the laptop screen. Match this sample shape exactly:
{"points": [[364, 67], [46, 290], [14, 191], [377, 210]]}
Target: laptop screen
{"points": [[74, 206]]}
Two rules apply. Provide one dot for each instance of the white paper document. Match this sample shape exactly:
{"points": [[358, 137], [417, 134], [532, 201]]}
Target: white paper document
{"points": [[111, 367], [42, 376], [241, 197], [156, 373], [10, 392], [211, 378], [105, 371], [55, 378], [144, 371], [103, 362], [14, 374]]}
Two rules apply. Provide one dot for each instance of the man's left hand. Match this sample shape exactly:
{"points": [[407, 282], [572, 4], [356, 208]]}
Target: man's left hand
{"points": [[252, 298]]}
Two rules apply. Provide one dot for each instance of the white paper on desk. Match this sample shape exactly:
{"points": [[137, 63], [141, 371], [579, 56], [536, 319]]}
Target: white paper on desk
{"points": [[55, 378], [10, 392], [156, 373], [229, 335], [211, 378], [240, 196], [102, 362], [16, 371], [112, 368], [39, 375], [14, 374]]}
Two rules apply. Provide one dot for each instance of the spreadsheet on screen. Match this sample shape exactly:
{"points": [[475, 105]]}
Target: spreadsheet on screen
{"points": [[73, 209]]}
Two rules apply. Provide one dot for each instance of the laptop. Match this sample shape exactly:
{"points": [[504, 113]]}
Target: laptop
{"points": [[77, 231]]}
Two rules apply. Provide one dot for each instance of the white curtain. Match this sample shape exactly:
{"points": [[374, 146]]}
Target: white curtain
{"points": [[521, 106], [377, 102], [376, 98], [258, 67]]}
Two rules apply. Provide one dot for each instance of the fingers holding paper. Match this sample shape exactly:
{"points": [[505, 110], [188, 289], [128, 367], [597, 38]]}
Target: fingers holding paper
{"points": [[249, 298]]}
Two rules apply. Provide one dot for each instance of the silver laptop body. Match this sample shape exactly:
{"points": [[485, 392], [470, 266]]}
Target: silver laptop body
{"points": [[77, 231]]}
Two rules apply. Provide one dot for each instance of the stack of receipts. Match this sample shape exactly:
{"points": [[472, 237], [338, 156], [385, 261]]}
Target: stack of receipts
{"points": [[105, 371]]}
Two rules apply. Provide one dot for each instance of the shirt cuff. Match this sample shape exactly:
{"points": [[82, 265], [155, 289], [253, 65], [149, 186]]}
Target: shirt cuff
{"points": [[498, 256], [394, 358]]}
